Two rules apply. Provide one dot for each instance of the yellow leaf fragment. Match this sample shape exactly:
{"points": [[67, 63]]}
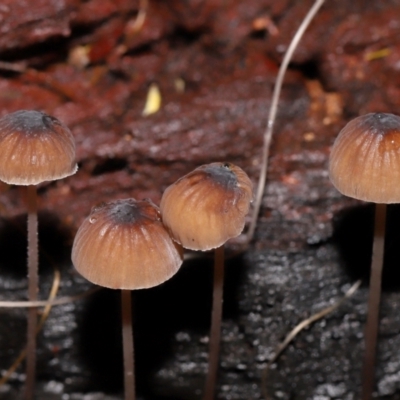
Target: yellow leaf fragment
{"points": [[375, 55], [153, 100]]}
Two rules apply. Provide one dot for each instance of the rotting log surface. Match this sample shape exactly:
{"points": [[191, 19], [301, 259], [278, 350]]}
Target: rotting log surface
{"points": [[84, 63]]}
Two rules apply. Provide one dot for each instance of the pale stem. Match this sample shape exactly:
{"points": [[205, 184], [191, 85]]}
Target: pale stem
{"points": [[371, 330], [127, 342], [33, 282], [216, 318]]}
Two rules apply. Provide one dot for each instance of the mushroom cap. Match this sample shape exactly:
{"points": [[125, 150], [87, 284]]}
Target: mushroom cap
{"points": [[206, 207], [365, 159], [35, 147], [124, 245]]}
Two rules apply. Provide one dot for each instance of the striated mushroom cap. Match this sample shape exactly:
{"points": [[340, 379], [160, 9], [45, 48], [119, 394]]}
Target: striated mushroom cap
{"points": [[124, 245], [206, 207], [35, 147], [365, 159]]}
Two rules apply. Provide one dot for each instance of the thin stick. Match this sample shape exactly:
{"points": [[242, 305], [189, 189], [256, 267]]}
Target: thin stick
{"points": [[45, 303], [375, 283], [215, 332], [43, 318], [272, 115], [127, 341], [298, 328], [33, 280]]}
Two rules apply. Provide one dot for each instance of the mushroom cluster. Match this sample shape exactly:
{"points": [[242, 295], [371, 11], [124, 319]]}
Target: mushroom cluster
{"points": [[130, 244], [127, 244]]}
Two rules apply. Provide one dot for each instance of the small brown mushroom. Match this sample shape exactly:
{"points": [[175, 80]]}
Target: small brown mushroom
{"points": [[207, 207], [365, 164], [203, 210], [124, 245], [34, 147], [365, 159]]}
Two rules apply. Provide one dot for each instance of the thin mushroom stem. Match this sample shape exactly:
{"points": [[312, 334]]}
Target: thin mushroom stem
{"points": [[33, 280], [371, 331], [127, 342], [216, 318]]}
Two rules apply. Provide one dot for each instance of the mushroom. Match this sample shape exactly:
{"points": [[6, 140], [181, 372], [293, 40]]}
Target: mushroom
{"points": [[124, 245], [365, 164], [35, 147], [202, 210]]}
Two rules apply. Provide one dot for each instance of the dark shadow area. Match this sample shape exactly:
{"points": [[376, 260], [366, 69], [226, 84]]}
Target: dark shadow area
{"points": [[144, 49], [38, 55], [101, 347], [109, 165], [182, 303], [259, 34], [353, 235], [391, 271], [54, 244], [182, 36], [310, 69]]}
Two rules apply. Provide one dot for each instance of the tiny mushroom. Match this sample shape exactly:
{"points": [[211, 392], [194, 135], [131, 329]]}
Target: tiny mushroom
{"points": [[365, 164], [365, 159], [34, 147], [203, 210], [207, 207], [124, 245]]}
